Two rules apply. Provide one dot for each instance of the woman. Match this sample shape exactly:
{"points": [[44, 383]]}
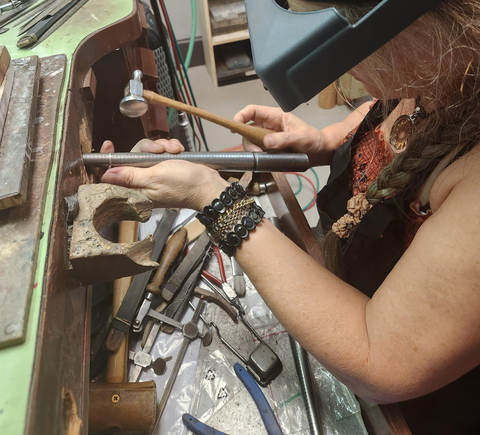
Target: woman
{"points": [[398, 320]]}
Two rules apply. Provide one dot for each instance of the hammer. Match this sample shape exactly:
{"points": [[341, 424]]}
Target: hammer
{"points": [[117, 406], [135, 104]]}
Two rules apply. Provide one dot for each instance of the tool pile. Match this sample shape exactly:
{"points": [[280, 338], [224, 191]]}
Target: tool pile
{"points": [[156, 303], [36, 19]]}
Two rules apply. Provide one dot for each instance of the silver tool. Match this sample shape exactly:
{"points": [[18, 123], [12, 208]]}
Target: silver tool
{"points": [[133, 104], [237, 278], [302, 367], [263, 363], [226, 293], [187, 132], [143, 358], [190, 332], [221, 161], [9, 6]]}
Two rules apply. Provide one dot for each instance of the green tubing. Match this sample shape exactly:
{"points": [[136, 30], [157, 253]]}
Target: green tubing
{"points": [[192, 35], [300, 185]]}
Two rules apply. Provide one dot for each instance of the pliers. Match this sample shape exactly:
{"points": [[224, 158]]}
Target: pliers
{"points": [[268, 417]]}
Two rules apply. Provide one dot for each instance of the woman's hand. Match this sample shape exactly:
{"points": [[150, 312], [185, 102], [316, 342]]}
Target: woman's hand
{"points": [[292, 133], [172, 183]]}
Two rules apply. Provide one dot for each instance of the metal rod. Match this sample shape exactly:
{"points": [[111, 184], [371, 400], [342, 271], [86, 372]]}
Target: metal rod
{"points": [[176, 368], [302, 366], [226, 161]]}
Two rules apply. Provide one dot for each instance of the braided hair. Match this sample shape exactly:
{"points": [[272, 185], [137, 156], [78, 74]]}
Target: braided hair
{"points": [[442, 49]]}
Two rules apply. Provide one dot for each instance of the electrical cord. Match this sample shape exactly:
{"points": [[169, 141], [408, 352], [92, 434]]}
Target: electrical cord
{"points": [[312, 202], [300, 185]]}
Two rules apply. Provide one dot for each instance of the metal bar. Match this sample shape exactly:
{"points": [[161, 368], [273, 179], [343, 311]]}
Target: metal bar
{"points": [[300, 358], [178, 362], [227, 161], [164, 319]]}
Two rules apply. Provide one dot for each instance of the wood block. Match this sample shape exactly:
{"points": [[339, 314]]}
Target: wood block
{"points": [[327, 99], [194, 230]]}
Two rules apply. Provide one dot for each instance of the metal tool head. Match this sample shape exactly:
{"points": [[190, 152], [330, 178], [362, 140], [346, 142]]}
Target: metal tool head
{"points": [[133, 104]]}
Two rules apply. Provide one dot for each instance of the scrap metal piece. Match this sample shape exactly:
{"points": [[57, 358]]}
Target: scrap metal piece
{"points": [[20, 227], [16, 145], [95, 259]]}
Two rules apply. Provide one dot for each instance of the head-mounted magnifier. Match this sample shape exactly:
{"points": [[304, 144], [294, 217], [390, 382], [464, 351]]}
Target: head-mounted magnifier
{"points": [[297, 54]]}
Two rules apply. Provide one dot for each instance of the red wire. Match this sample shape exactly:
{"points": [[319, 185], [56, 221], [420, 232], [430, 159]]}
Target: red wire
{"points": [[311, 184], [221, 266]]}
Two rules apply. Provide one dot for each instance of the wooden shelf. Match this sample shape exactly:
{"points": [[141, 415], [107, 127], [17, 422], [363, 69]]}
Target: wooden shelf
{"points": [[227, 38], [212, 43]]}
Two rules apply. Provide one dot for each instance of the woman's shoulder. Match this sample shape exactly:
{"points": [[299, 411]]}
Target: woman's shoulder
{"points": [[461, 176]]}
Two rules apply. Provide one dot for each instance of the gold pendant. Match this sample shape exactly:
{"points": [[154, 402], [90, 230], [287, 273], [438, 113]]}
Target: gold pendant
{"points": [[403, 128], [400, 133]]}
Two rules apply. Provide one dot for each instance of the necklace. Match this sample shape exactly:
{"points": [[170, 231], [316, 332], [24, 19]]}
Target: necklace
{"points": [[402, 128]]}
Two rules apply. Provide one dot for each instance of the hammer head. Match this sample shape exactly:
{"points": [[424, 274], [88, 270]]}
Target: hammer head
{"points": [[133, 104]]}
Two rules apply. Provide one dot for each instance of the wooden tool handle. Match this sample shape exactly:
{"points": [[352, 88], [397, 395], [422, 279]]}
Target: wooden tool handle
{"points": [[117, 361], [174, 246], [251, 132]]}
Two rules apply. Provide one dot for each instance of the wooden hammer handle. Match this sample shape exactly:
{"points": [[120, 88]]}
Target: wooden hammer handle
{"points": [[117, 361], [253, 133], [174, 246]]}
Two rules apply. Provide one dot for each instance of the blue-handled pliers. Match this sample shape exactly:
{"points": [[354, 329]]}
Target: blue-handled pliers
{"points": [[268, 417]]}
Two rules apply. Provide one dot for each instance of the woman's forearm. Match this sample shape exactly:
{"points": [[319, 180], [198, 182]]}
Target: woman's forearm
{"points": [[335, 134], [323, 313]]}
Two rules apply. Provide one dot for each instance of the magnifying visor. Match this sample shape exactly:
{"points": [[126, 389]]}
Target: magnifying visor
{"points": [[297, 54]]}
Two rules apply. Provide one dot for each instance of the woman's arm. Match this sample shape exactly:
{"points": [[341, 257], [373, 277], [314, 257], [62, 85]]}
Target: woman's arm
{"points": [[419, 332], [297, 135]]}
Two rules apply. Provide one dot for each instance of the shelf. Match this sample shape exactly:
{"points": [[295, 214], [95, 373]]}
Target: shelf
{"points": [[220, 47], [226, 38]]}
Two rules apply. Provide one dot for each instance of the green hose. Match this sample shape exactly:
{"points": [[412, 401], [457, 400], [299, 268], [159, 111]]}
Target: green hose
{"points": [[192, 35]]}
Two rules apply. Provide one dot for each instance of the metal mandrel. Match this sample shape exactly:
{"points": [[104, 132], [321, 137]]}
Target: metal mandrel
{"points": [[221, 161]]}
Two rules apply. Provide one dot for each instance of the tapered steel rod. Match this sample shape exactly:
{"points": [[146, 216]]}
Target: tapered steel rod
{"points": [[302, 366], [226, 161]]}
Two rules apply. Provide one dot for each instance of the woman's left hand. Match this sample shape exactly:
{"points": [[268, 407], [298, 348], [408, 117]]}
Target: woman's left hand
{"points": [[172, 183]]}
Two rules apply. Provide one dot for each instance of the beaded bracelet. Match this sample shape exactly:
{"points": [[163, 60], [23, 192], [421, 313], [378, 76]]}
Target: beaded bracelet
{"points": [[230, 218]]}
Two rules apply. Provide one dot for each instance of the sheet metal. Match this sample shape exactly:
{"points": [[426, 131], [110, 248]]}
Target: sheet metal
{"points": [[20, 226], [16, 144]]}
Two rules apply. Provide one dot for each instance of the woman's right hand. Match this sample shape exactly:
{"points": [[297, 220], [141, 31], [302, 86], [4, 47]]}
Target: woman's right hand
{"points": [[293, 133]]}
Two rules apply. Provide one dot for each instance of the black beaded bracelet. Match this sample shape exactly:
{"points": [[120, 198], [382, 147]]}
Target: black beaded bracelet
{"points": [[230, 218]]}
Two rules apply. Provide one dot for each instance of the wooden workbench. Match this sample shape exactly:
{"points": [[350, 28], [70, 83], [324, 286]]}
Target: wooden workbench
{"points": [[49, 369]]}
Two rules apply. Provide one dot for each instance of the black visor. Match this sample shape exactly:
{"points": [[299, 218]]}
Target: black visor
{"points": [[297, 54]]}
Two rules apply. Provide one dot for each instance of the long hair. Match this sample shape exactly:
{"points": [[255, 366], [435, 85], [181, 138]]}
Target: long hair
{"points": [[436, 58]]}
